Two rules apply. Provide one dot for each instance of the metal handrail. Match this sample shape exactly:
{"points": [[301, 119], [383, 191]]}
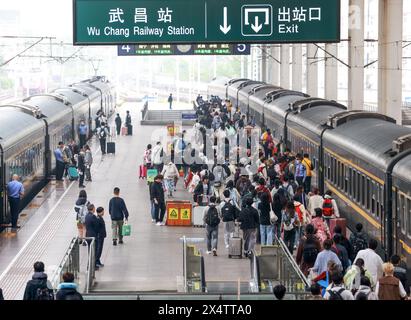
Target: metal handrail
{"points": [[91, 263], [292, 261]]}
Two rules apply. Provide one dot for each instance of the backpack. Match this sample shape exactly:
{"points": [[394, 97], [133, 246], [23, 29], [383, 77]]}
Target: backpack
{"points": [[310, 252], [358, 243], [210, 175], [102, 133], [336, 295], [229, 212], [82, 212], [328, 209], [43, 293], [299, 212], [212, 218], [283, 195]]}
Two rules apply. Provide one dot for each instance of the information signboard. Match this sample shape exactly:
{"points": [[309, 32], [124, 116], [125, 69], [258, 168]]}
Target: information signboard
{"points": [[205, 21]]}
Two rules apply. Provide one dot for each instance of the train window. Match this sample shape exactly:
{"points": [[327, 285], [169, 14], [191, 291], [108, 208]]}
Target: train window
{"points": [[350, 179], [368, 194], [363, 190], [334, 170], [346, 180], [373, 198], [402, 213]]}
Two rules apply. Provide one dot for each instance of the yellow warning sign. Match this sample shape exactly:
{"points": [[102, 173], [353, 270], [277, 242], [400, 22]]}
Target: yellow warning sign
{"points": [[185, 214], [196, 286], [173, 213]]}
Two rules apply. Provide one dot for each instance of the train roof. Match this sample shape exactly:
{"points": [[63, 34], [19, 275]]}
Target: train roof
{"points": [[313, 113], [369, 136], [16, 124], [279, 100], [402, 169], [73, 95], [52, 106]]}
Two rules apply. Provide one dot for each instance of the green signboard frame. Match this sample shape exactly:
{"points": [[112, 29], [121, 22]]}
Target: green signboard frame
{"points": [[115, 22]]}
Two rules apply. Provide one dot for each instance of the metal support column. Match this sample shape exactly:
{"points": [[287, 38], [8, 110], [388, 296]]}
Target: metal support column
{"points": [[356, 55], [297, 70], [331, 72], [312, 71], [285, 66], [274, 65], [263, 74], [390, 30]]}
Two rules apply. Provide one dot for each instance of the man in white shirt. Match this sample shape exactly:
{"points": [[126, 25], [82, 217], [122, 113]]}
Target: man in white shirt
{"points": [[372, 261], [315, 201]]}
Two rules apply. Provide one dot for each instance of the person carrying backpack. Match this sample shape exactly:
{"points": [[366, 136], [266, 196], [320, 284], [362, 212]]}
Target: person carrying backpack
{"points": [[308, 249], [38, 288], [211, 218], [67, 290], [337, 290], [250, 221], [81, 211], [102, 134], [330, 209], [358, 240], [229, 213]]}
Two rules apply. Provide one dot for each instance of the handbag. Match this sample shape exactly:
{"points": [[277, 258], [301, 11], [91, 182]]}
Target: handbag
{"points": [[273, 217], [126, 230]]}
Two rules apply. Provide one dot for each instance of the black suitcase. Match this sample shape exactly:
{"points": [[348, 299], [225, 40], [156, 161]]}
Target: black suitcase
{"points": [[130, 130], [111, 147]]}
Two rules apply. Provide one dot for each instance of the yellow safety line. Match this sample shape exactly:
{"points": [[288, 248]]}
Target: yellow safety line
{"points": [[354, 206]]}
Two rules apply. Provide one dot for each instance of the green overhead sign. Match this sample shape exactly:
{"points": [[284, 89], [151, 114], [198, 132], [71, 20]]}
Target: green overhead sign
{"points": [[205, 21]]}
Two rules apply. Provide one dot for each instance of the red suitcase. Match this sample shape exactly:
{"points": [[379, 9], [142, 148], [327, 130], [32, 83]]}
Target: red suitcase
{"points": [[143, 172], [338, 222], [124, 131]]}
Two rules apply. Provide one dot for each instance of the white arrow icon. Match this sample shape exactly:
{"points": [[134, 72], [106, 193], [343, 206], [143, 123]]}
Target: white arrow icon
{"points": [[225, 29], [256, 26]]}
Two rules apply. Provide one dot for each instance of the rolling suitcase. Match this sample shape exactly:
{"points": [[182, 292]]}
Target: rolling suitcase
{"points": [[235, 244], [197, 216], [130, 130], [124, 131], [111, 147], [72, 173], [143, 172], [338, 222]]}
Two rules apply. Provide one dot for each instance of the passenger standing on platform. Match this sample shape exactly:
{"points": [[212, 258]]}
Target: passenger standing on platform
{"points": [[279, 291], [102, 134], [67, 290], [101, 235], [266, 227], [81, 168], [324, 257], [315, 201], [322, 230], [82, 132], [400, 271], [15, 191], [157, 157], [91, 223], [60, 165], [88, 161], [229, 213], [128, 123], [118, 122], [118, 213], [308, 249], [38, 288], [75, 149], [250, 221], [309, 168], [157, 196], [202, 191], [337, 290], [147, 157], [170, 173], [300, 170], [302, 198], [170, 100], [389, 287], [345, 243], [289, 224], [372, 261], [358, 240], [81, 210], [330, 208], [211, 218]]}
